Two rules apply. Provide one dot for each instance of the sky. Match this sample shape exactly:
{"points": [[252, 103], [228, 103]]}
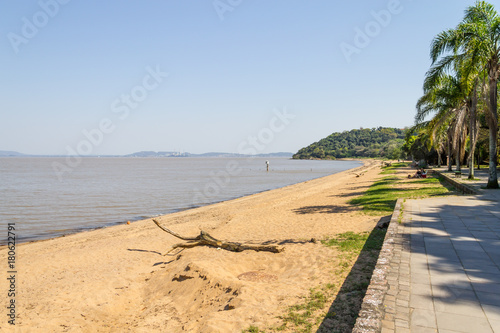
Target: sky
{"points": [[120, 76]]}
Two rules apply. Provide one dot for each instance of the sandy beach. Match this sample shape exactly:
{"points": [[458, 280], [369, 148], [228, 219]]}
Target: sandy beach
{"points": [[117, 280]]}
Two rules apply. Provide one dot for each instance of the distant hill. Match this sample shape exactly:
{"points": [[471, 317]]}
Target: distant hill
{"points": [[270, 155], [382, 142], [6, 153], [215, 154], [210, 154], [157, 154], [280, 154]]}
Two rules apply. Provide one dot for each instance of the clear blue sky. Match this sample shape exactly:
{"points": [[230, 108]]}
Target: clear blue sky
{"points": [[70, 66]]}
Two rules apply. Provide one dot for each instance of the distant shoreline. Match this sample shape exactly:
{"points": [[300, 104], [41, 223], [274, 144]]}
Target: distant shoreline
{"points": [[148, 154]]}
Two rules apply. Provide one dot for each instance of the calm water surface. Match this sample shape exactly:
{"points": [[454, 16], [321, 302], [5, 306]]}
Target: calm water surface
{"points": [[104, 191]]}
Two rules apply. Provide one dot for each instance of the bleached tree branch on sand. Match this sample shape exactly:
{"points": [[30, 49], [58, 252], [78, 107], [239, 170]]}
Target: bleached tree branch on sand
{"points": [[204, 239]]}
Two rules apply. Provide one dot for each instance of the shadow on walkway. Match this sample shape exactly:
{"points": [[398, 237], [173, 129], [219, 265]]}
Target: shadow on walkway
{"points": [[455, 262]]}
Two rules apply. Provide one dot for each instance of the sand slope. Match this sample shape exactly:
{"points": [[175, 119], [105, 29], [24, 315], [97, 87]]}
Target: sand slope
{"points": [[116, 280]]}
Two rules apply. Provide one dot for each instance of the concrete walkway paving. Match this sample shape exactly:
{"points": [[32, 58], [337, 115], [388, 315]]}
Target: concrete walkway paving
{"points": [[478, 184], [445, 276]]}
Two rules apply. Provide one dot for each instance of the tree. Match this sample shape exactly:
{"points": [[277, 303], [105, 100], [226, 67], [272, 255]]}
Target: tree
{"points": [[461, 97], [477, 39], [375, 142], [418, 145], [447, 97]]}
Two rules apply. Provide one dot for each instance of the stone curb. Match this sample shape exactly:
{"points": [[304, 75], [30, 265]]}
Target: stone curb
{"points": [[465, 189], [372, 309]]}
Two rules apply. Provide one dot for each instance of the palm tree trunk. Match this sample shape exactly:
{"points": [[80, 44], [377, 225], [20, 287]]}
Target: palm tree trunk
{"points": [[458, 153], [450, 168], [493, 124], [472, 132]]}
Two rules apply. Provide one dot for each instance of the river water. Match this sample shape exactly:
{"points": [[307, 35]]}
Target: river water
{"points": [[100, 192]]}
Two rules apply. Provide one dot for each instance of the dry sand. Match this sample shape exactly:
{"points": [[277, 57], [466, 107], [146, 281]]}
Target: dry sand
{"points": [[116, 279]]}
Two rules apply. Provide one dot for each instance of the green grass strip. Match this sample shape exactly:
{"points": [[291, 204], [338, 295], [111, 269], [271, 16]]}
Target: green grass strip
{"points": [[382, 195]]}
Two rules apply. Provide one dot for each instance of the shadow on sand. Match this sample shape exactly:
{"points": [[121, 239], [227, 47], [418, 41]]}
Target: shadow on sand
{"points": [[344, 310]]}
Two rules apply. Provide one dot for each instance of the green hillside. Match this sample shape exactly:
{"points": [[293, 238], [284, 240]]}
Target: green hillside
{"points": [[375, 142]]}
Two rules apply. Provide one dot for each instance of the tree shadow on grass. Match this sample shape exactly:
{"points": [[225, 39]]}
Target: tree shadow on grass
{"points": [[382, 197], [379, 199], [360, 187], [325, 209], [344, 310], [345, 195], [385, 181], [429, 180]]}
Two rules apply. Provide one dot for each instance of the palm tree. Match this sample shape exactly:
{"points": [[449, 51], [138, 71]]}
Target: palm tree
{"points": [[476, 40], [417, 143], [438, 138], [447, 97], [464, 84], [474, 127]]}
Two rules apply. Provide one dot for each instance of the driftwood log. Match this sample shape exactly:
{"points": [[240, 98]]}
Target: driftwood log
{"points": [[204, 239]]}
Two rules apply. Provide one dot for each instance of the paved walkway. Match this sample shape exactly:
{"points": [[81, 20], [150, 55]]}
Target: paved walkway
{"points": [[478, 184], [445, 273]]}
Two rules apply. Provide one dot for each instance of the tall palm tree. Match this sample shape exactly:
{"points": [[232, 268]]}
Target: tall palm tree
{"points": [[477, 40], [438, 138], [468, 76], [447, 97], [434, 135], [473, 126]]}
